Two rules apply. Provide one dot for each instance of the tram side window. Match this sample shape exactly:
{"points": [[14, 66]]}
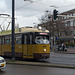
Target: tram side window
{"points": [[18, 39], [0, 41], [7, 40], [25, 39], [10, 39], [30, 39]]}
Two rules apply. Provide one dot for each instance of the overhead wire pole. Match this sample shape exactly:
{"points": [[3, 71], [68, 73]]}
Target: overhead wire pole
{"points": [[13, 30]]}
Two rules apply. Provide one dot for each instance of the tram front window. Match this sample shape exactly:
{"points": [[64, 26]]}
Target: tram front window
{"points": [[42, 40]]}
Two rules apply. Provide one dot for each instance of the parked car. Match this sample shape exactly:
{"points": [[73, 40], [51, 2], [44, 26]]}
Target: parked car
{"points": [[2, 63]]}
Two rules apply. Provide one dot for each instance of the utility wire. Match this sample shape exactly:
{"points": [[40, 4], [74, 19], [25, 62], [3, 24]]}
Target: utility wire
{"points": [[27, 4], [39, 0], [23, 6]]}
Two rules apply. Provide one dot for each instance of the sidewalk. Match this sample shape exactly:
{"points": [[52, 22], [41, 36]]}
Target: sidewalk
{"points": [[40, 64], [71, 50]]}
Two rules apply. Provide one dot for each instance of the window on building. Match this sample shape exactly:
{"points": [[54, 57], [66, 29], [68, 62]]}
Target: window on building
{"points": [[73, 14], [65, 17], [74, 23], [71, 23], [70, 14], [68, 23]]}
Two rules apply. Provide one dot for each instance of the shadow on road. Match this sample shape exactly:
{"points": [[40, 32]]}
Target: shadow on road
{"points": [[29, 60], [2, 72]]}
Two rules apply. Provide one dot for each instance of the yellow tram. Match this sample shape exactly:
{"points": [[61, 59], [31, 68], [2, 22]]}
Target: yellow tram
{"points": [[31, 43]]}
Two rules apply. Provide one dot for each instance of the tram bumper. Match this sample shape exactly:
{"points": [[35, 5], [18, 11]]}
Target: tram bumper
{"points": [[41, 55]]}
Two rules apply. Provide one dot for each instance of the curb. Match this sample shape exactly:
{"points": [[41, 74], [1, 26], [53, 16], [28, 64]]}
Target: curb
{"points": [[40, 64]]}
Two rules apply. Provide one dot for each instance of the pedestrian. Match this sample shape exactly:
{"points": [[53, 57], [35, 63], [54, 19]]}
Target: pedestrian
{"points": [[63, 46]]}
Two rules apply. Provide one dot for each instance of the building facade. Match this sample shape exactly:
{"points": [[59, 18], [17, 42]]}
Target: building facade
{"points": [[63, 28], [69, 22]]}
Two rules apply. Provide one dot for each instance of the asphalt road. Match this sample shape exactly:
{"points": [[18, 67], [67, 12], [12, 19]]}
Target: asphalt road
{"points": [[35, 70], [68, 59], [60, 58], [57, 58]]}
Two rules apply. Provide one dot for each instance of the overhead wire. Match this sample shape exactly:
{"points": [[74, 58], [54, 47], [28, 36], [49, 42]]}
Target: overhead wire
{"points": [[26, 5], [23, 6], [39, 0]]}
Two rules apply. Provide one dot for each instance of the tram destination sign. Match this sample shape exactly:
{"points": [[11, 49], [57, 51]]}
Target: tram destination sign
{"points": [[43, 33]]}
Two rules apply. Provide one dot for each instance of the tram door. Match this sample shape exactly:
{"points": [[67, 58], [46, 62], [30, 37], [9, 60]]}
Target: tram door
{"points": [[27, 47], [25, 52], [30, 46]]}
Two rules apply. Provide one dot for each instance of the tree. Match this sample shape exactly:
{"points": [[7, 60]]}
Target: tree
{"points": [[57, 28], [53, 26]]}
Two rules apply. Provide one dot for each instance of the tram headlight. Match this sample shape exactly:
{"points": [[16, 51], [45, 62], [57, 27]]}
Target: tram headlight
{"points": [[44, 50]]}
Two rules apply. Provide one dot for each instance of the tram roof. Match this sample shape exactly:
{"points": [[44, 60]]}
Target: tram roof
{"points": [[25, 30], [33, 30]]}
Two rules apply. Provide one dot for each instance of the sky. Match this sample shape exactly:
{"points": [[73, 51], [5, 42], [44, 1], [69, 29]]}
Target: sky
{"points": [[27, 13]]}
